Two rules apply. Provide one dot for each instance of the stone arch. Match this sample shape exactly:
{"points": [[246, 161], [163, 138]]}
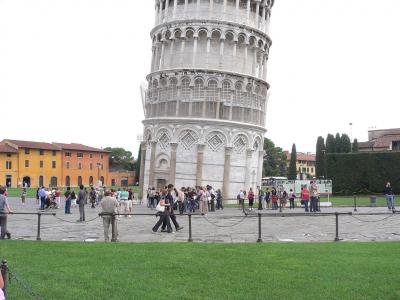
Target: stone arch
{"points": [[216, 140], [240, 142], [189, 32], [163, 137], [257, 143], [252, 41], [188, 138], [162, 161], [242, 38], [229, 36]]}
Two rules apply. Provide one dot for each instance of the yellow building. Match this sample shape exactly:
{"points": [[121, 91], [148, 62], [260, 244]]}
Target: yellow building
{"points": [[305, 164], [32, 163]]}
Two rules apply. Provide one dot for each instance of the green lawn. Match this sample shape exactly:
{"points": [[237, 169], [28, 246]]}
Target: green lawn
{"points": [[60, 270]]}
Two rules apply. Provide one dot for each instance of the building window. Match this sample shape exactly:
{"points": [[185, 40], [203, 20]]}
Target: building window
{"points": [[101, 156], [8, 155], [53, 164], [67, 164], [67, 154], [308, 170], [91, 166], [27, 151], [8, 165], [26, 163], [54, 152], [41, 152], [80, 166], [90, 155], [41, 164], [79, 180], [79, 154], [312, 170]]}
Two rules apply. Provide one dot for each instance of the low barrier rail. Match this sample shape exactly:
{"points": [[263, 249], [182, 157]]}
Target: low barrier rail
{"points": [[244, 215]]}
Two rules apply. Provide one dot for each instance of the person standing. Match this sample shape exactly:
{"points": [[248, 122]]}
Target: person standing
{"points": [[241, 200], [92, 196], [292, 196], [23, 196], [274, 199], [181, 200], [81, 203], [305, 197], [37, 196], [109, 206], [314, 196], [250, 196], [67, 196], [170, 199], [220, 205], [202, 200], [124, 195], [4, 210], [389, 196], [42, 195], [57, 195], [267, 199]]}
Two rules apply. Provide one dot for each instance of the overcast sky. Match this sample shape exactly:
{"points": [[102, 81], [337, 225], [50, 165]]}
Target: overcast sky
{"points": [[70, 70]]}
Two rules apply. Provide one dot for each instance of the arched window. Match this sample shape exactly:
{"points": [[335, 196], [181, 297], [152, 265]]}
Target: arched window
{"points": [[102, 180], [185, 89], [172, 90], [212, 91], [67, 181], [226, 91], [198, 93], [155, 90], [163, 89], [238, 96], [79, 180], [91, 180]]}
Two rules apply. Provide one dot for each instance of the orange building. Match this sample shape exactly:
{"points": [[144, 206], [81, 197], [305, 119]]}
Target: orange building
{"points": [[84, 165], [33, 164], [122, 178]]}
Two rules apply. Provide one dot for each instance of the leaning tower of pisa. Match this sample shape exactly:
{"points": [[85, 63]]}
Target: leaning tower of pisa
{"points": [[206, 98]]}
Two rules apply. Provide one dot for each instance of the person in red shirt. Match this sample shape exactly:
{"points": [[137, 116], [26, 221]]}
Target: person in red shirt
{"points": [[274, 199], [305, 197]]}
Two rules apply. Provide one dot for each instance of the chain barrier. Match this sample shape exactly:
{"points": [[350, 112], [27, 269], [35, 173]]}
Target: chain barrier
{"points": [[225, 226], [74, 222], [373, 221], [13, 276]]}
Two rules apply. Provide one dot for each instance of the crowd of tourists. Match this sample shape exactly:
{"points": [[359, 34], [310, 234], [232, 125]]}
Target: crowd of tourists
{"points": [[187, 199]]}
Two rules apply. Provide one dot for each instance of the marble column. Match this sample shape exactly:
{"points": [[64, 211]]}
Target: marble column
{"points": [[195, 39], [264, 11], [199, 167], [172, 175], [248, 12], [257, 12], [142, 169], [162, 54], [175, 7], [166, 10], [152, 164], [261, 154], [227, 173], [249, 154], [237, 10]]}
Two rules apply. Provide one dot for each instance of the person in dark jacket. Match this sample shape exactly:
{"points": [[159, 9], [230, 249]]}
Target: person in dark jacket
{"points": [[389, 196]]}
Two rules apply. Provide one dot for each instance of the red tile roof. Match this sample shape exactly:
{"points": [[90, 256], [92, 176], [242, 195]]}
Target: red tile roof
{"points": [[5, 148], [32, 145], [79, 147], [302, 156]]}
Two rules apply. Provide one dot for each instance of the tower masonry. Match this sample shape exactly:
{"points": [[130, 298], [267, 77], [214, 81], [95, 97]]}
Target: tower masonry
{"points": [[206, 99]]}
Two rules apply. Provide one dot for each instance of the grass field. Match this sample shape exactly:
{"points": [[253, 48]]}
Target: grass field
{"points": [[59, 270]]}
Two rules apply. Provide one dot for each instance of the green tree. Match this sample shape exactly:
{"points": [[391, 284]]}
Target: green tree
{"points": [[320, 157], [355, 146], [292, 174], [338, 143], [137, 163], [345, 143], [120, 158], [274, 160], [330, 144]]}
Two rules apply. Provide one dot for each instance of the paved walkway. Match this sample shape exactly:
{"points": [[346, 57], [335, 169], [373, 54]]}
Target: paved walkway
{"points": [[227, 226]]}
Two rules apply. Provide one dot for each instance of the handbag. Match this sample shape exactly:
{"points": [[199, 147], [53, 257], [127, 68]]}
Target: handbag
{"points": [[160, 208]]}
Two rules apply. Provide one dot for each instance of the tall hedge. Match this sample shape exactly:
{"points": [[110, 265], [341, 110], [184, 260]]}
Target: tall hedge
{"points": [[364, 173]]}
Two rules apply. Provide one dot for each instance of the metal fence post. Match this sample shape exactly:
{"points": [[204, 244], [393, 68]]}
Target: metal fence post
{"points": [[113, 229], [337, 227], [355, 201], [38, 238], [259, 229], [4, 273], [190, 228]]}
